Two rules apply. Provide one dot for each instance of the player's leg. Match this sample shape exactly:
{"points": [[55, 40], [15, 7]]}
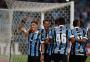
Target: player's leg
{"points": [[36, 58], [72, 58], [85, 58], [52, 57], [30, 58], [59, 57], [81, 58], [47, 58], [56, 57], [64, 58]]}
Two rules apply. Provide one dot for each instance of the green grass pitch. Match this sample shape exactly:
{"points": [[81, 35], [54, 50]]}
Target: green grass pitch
{"points": [[23, 58]]}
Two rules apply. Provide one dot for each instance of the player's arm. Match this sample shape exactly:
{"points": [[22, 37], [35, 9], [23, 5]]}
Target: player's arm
{"points": [[42, 52], [42, 49], [72, 39], [48, 40], [71, 36], [84, 38], [22, 28]]}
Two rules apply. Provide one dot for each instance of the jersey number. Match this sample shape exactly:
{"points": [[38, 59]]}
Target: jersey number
{"points": [[61, 38]]}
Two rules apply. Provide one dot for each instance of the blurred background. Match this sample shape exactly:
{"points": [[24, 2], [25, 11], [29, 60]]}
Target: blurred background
{"points": [[81, 11]]}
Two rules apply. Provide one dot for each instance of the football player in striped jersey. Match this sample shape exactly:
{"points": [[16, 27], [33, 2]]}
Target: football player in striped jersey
{"points": [[61, 41], [34, 40], [79, 41], [46, 36]]}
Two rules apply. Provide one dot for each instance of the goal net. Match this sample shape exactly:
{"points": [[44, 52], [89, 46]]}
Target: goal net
{"points": [[18, 43]]}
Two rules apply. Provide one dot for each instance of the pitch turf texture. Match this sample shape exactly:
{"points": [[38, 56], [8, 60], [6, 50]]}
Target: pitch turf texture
{"points": [[19, 58], [23, 58]]}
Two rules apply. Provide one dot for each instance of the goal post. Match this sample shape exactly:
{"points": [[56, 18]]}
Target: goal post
{"points": [[5, 34], [71, 14]]}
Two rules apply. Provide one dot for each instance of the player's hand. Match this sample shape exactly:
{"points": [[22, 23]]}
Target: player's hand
{"points": [[31, 30], [83, 40], [72, 40], [23, 21], [47, 41], [42, 58], [26, 17]]}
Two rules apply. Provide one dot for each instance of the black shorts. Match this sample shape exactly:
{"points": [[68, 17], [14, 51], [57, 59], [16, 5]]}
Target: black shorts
{"points": [[47, 58], [77, 58], [72, 58], [53, 57], [60, 57], [33, 58], [81, 58]]}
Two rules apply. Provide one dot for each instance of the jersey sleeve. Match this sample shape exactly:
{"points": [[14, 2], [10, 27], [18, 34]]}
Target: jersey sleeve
{"points": [[85, 33], [69, 34]]}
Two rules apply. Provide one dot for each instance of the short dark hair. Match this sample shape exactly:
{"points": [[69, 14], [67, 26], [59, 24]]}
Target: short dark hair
{"points": [[82, 23], [75, 22], [48, 20], [36, 22], [60, 20]]}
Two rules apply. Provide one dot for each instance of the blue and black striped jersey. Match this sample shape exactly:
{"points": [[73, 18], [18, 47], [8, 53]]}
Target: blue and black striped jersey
{"points": [[34, 42], [49, 33], [62, 34], [79, 48], [85, 31]]}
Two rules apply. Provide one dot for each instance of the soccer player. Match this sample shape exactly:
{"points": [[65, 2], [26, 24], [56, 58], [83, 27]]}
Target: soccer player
{"points": [[47, 34], [79, 41], [34, 40], [61, 40], [85, 38]]}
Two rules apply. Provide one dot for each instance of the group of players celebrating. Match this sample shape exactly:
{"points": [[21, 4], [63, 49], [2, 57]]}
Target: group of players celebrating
{"points": [[52, 44]]}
